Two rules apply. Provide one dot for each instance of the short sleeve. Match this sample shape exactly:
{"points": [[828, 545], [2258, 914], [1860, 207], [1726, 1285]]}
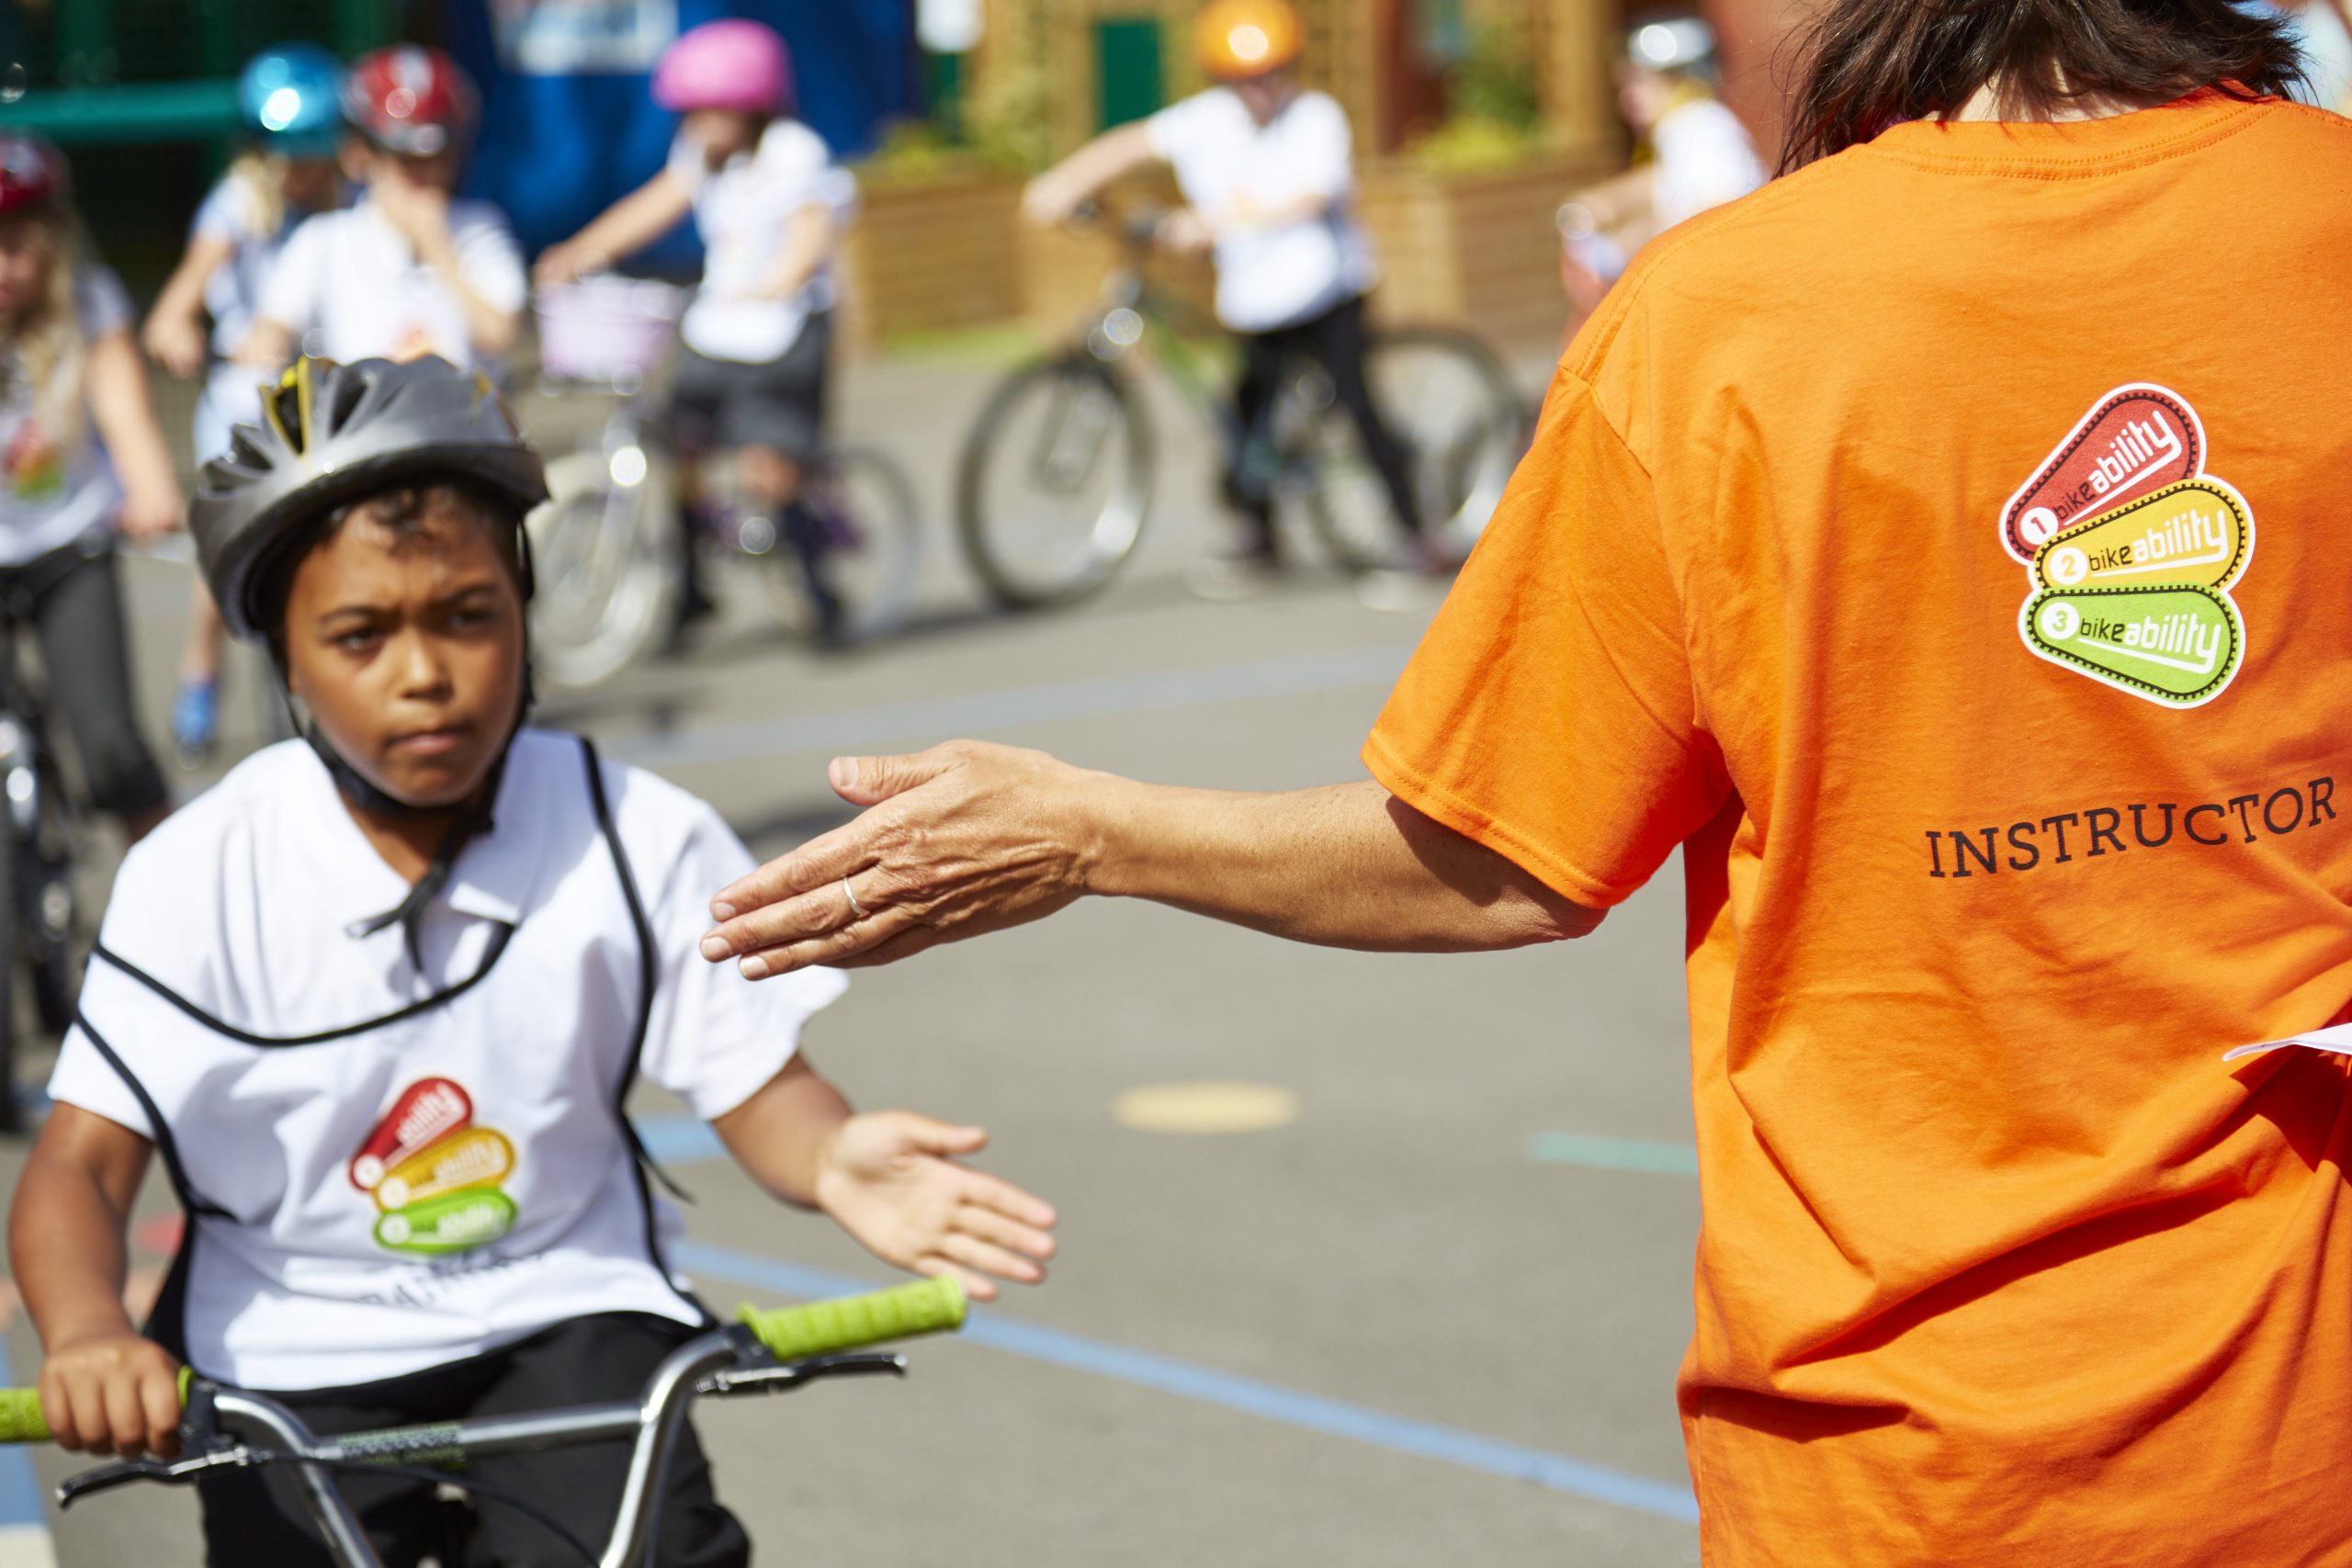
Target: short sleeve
{"points": [[687, 165], [1175, 130], [221, 217], [289, 296], [491, 260], [1549, 713], [101, 302], [84, 1078], [715, 1038]]}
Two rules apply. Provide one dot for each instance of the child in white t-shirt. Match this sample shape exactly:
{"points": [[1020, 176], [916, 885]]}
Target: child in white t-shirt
{"points": [[81, 460], [770, 203], [409, 269], [1269, 181], [291, 102], [377, 1000]]}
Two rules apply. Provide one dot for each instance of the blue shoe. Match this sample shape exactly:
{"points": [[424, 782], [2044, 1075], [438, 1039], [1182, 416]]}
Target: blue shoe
{"points": [[196, 720]]}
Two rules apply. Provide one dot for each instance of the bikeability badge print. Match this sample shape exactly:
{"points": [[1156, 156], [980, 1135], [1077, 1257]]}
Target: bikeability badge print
{"points": [[2130, 548], [434, 1174]]}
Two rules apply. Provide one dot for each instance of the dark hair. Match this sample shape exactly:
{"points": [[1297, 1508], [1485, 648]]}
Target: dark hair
{"points": [[408, 513], [1872, 63]]}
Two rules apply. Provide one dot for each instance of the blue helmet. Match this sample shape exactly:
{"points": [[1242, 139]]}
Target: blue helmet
{"points": [[291, 100]]}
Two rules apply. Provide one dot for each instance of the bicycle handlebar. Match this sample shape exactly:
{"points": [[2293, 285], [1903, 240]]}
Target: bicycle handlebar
{"points": [[790, 1334], [821, 1328]]}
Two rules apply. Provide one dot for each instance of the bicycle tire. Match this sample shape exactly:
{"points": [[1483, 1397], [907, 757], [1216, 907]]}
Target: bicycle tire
{"points": [[1099, 546], [12, 965], [607, 582], [54, 937], [1458, 480], [872, 500]]}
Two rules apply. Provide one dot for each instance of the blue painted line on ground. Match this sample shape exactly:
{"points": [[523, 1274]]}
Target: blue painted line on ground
{"points": [[934, 719], [1614, 1154], [1206, 1385], [20, 1492]]}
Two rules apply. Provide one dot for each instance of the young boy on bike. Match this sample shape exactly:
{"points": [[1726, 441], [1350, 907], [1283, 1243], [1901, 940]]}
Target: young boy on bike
{"points": [[1268, 174], [408, 269], [769, 202], [379, 999]]}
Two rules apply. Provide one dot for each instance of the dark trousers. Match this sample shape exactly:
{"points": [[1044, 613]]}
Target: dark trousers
{"points": [[1334, 340], [73, 599], [252, 1518]]}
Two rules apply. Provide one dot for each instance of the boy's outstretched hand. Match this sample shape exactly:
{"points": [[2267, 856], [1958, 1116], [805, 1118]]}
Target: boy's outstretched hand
{"points": [[890, 1179]]}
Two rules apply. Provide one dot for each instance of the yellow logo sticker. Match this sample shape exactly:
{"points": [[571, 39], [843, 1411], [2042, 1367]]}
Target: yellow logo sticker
{"points": [[2196, 535]]}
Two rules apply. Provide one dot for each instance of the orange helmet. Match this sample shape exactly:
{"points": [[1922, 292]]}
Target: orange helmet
{"points": [[1241, 38]]}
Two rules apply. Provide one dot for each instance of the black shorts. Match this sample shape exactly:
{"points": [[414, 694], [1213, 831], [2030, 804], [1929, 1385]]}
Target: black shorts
{"points": [[776, 403], [257, 1517]]}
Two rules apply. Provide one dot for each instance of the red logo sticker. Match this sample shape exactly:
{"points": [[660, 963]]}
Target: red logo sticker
{"points": [[426, 1109], [2135, 442]]}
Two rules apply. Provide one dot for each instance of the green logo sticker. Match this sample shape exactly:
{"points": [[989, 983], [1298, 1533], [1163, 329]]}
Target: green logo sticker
{"points": [[2197, 533], [2175, 646], [451, 1223]]}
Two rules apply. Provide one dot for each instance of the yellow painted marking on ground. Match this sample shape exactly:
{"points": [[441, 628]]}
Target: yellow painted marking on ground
{"points": [[1206, 1108]]}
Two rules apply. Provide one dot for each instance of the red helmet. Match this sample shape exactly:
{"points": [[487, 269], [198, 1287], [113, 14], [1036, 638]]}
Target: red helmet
{"points": [[31, 172], [411, 100]]}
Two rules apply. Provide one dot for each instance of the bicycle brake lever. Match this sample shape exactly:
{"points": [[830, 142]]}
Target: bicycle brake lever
{"points": [[785, 1377], [106, 1477]]}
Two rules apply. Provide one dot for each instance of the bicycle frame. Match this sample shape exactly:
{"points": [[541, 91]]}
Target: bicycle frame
{"points": [[240, 1428]]}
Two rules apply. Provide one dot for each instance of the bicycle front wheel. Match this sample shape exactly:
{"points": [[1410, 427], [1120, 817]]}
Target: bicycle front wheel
{"points": [[1450, 403], [603, 553], [1054, 484]]}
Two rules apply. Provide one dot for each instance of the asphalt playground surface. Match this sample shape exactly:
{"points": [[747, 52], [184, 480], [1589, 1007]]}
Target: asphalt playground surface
{"points": [[1435, 1314]]}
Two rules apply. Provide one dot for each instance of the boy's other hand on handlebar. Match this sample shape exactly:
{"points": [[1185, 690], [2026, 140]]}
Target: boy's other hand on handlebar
{"points": [[1050, 201], [112, 1392], [890, 1179], [149, 515]]}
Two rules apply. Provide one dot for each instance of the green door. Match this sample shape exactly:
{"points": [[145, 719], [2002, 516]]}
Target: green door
{"points": [[1126, 70]]}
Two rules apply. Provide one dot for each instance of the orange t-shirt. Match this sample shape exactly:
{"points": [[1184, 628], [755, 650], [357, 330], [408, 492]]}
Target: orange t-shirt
{"points": [[1950, 547]]}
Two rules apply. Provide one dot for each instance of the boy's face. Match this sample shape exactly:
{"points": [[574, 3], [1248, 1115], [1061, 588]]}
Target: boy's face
{"points": [[407, 647], [722, 133], [312, 183], [1643, 95], [1264, 97]]}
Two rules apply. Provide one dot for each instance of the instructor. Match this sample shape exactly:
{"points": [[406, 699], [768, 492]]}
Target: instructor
{"points": [[1918, 544]]}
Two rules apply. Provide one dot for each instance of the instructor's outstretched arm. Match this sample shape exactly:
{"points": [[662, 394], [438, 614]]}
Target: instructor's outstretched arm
{"points": [[969, 838]]}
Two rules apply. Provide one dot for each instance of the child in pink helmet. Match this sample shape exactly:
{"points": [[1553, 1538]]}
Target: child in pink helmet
{"points": [[770, 203]]}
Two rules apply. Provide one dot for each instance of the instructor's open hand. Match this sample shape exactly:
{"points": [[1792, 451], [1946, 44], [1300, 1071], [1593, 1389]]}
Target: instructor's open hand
{"points": [[960, 839]]}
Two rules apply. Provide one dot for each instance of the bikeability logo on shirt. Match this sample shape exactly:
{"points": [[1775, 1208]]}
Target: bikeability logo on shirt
{"points": [[434, 1174], [2130, 549]]}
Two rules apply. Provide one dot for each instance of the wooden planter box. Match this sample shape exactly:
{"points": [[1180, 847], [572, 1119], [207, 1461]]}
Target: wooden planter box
{"points": [[1478, 250], [932, 255]]}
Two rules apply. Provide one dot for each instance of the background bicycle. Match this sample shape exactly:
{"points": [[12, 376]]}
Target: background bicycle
{"points": [[1056, 477], [607, 545]]}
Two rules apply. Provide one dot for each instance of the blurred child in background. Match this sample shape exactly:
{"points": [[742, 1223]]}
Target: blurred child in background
{"points": [[1699, 156], [407, 270], [1267, 172], [770, 203], [81, 456], [290, 101]]}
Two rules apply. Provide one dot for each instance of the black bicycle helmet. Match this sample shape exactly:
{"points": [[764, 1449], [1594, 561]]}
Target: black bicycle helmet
{"points": [[331, 434]]}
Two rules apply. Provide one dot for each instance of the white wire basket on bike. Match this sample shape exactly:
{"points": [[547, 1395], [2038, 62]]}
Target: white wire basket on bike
{"points": [[607, 328]]}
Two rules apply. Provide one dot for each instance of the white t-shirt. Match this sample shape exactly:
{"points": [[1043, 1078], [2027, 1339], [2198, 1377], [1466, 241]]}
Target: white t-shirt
{"points": [[434, 1186], [56, 486], [1705, 158], [349, 286], [1279, 274], [743, 209]]}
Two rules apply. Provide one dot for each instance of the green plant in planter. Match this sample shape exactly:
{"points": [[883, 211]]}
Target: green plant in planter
{"points": [[1494, 109]]}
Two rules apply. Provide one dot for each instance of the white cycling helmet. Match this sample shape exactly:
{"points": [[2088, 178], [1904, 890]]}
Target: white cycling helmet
{"points": [[1671, 44]]}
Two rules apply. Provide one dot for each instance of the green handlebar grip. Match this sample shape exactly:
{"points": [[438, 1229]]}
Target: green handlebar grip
{"points": [[21, 1418], [820, 1328], [22, 1422]]}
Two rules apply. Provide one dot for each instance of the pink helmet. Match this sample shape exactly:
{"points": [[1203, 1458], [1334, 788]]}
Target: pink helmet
{"points": [[732, 64]]}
